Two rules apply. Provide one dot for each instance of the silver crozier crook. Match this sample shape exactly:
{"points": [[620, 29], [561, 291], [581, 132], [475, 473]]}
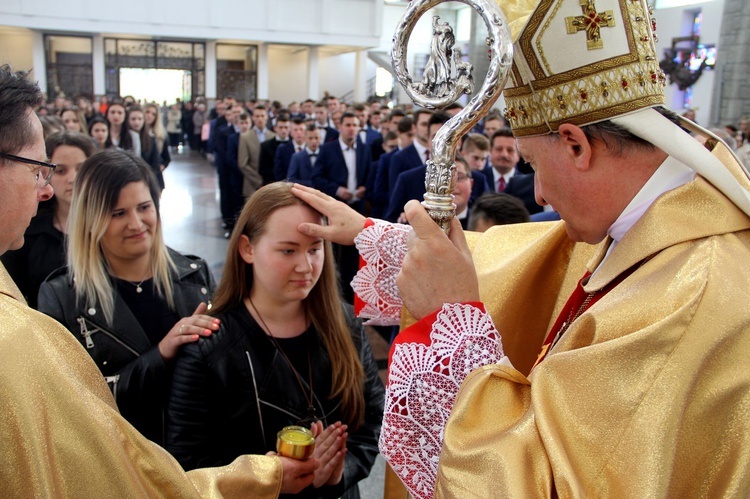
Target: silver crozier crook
{"points": [[439, 89]]}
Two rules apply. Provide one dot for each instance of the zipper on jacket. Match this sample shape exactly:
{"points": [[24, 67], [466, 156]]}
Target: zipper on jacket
{"points": [[114, 380], [86, 333]]}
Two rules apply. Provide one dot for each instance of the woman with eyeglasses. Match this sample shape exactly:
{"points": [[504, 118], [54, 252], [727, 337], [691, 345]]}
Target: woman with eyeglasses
{"points": [[288, 352], [130, 300], [44, 248]]}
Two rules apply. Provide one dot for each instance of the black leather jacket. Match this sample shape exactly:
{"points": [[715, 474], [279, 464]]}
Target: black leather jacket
{"points": [[232, 392], [133, 368], [43, 252]]}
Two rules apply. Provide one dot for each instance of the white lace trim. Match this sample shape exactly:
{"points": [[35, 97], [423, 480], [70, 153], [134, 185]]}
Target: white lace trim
{"points": [[423, 381], [382, 246]]}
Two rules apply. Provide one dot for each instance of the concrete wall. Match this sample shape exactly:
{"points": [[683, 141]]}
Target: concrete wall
{"points": [[287, 71], [16, 49], [340, 22]]}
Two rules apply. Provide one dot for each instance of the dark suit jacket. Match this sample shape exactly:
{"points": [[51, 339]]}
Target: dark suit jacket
{"points": [[220, 145], [371, 135], [380, 192], [301, 169], [404, 160], [236, 178], [281, 160], [266, 161], [520, 186], [332, 135], [215, 124], [410, 185], [376, 148], [480, 187], [331, 172]]}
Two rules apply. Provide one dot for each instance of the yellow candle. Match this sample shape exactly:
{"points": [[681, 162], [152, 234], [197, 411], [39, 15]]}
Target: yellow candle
{"points": [[295, 442]]}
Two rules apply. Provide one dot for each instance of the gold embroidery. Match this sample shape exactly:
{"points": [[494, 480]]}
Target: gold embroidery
{"points": [[591, 22], [594, 92]]}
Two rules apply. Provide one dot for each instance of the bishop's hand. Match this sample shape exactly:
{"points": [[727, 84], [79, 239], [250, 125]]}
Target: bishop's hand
{"points": [[437, 268]]}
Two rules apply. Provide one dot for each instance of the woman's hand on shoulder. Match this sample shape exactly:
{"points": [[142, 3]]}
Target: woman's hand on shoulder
{"points": [[330, 450], [344, 223], [187, 330]]}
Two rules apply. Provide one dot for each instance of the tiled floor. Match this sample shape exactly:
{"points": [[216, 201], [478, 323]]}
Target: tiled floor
{"points": [[190, 215]]}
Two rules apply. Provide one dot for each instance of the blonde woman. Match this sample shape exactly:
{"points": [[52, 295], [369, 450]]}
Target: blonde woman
{"points": [[131, 301], [73, 119], [288, 352], [149, 147], [155, 126]]}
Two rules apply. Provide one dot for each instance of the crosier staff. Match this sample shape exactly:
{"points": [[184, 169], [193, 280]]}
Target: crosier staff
{"points": [[439, 89]]}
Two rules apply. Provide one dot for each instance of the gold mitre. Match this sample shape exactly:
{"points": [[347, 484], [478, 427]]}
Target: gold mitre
{"points": [[579, 62]]}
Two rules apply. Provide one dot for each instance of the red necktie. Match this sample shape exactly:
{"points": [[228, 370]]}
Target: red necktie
{"points": [[426, 156], [501, 184]]}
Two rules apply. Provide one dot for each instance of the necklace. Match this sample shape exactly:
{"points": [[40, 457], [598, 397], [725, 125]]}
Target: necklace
{"points": [[138, 288], [309, 398], [138, 285]]}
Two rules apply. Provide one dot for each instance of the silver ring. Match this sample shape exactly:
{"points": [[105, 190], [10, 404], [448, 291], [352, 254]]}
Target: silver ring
{"points": [[181, 327]]}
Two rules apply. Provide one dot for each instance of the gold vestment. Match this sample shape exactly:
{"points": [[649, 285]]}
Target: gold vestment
{"points": [[62, 436], [647, 394]]}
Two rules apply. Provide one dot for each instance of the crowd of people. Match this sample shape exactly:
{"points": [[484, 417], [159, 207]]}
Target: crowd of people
{"points": [[154, 321]]}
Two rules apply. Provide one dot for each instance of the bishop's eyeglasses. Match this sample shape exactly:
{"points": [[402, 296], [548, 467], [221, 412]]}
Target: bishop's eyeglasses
{"points": [[43, 170]]}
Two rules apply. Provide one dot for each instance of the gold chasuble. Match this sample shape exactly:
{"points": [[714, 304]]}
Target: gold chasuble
{"points": [[647, 394], [62, 436]]}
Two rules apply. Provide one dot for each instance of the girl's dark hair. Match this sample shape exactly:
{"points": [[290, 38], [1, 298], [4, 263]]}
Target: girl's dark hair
{"points": [[74, 139], [126, 142]]}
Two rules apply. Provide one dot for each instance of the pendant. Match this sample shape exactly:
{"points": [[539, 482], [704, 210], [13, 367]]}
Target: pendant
{"points": [[311, 413], [138, 288]]}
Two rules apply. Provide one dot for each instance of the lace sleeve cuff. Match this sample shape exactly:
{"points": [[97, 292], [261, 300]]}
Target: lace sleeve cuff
{"points": [[429, 361], [382, 247]]}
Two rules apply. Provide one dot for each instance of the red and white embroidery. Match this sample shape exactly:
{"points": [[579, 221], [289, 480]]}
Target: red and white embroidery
{"points": [[382, 246], [422, 386]]}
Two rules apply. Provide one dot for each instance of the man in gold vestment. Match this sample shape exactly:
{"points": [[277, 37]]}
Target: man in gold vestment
{"points": [[60, 432], [615, 342]]}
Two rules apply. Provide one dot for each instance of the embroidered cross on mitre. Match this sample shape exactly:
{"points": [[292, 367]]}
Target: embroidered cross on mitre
{"points": [[591, 22]]}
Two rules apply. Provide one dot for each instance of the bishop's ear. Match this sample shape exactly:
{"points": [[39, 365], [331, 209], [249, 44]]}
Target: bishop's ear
{"points": [[577, 145], [246, 250]]}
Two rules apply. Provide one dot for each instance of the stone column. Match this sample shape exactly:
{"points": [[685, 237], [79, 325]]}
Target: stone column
{"points": [[99, 68], [39, 72], [210, 70], [262, 71], [313, 75], [731, 94]]}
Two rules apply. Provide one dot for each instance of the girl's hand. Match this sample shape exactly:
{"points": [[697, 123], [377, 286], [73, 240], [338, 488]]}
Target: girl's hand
{"points": [[330, 449], [187, 330]]}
